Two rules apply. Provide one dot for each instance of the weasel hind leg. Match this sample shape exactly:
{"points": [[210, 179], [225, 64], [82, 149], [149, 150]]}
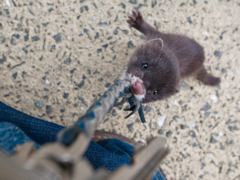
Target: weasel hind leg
{"points": [[207, 78]]}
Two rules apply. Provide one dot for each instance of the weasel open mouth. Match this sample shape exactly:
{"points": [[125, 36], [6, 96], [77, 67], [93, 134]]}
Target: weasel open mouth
{"points": [[137, 87]]}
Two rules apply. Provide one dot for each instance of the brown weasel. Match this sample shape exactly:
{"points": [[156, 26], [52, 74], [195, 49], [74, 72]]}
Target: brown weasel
{"points": [[157, 65]]}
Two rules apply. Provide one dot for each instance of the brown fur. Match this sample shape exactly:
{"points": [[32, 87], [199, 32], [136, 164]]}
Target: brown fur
{"points": [[170, 57]]}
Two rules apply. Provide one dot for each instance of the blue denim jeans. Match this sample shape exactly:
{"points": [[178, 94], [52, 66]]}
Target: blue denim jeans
{"points": [[17, 128]]}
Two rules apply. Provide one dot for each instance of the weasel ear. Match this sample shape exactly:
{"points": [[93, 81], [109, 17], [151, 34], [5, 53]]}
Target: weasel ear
{"points": [[158, 42]]}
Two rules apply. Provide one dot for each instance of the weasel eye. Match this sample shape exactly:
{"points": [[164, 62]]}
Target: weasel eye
{"points": [[144, 65], [155, 92]]}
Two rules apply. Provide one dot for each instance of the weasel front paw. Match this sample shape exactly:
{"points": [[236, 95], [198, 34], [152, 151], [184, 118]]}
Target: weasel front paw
{"points": [[135, 19]]}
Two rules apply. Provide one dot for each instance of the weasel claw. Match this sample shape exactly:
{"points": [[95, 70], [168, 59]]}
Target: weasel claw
{"points": [[135, 19], [133, 109], [121, 102]]}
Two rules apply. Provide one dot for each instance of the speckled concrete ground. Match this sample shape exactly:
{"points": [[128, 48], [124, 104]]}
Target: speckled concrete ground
{"points": [[56, 57]]}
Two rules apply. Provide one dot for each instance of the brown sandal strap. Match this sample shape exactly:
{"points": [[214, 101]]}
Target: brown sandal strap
{"points": [[100, 135]]}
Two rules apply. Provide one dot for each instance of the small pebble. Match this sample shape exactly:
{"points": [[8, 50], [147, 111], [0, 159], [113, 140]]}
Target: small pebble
{"points": [[81, 84], [47, 82], [189, 20], [100, 79], [182, 126], [109, 37], [154, 3], [50, 9], [133, 1], [232, 128], [14, 38], [160, 131], [83, 101], [35, 38], [116, 18], [107, 85], [86, 8], [169, 133], [95, 5], [105, 46], [115, 31], [194, 144], [65, 95], [185, 86], [85, 30], [161, 120], [221, 36], [101, 23], [49, 109], [25, 50], [39, 104], [67, 61], [213, 140], [207, 114], [45, 24], [123, 5], [114, 112], [81, 9], [125, 31], [14, 75], [206, 107], [217, 53], [140, 5], [220, 134], [130, 127], [8, 3], [75, 105], [19, 26], [193, 134], [231, 142], [183, 155], [214, 98], [96, 35], [6, 11], [174, 139], [72, 70], [224, 70], [130, 44], [191, 126], [222, 147], [58, 37], [182, 4], [147, 108], [53, 48], [2, 38], [26, 37], [175, 103]]}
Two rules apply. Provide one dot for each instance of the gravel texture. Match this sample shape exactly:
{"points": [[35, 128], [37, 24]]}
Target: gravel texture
{"points": [[57, 57]]}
